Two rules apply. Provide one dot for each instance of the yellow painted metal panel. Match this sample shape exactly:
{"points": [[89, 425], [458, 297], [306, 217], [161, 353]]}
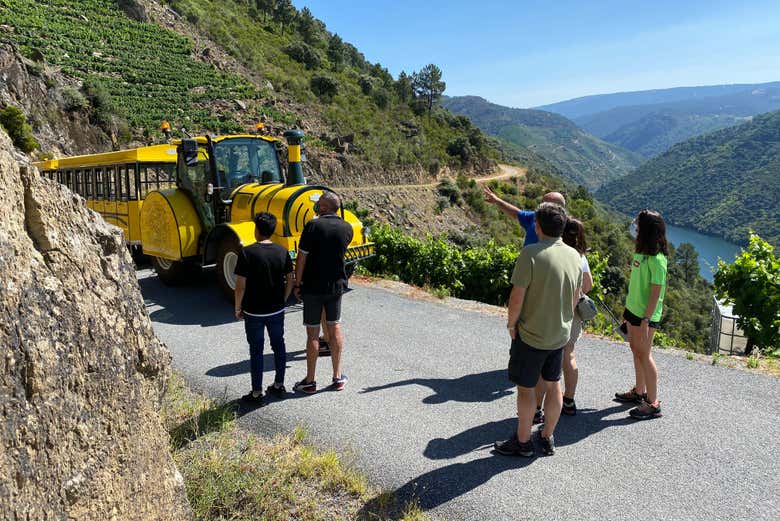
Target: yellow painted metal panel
{"points": [[120, 218], [170, 227], [294, 153], [133, 221], [244, 231]]}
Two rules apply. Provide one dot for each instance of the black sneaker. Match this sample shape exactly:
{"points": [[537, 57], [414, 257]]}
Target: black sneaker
{"points": [[630, 396], [512, 447], [305, 387], [252, 399], [646, 411], [547, 444], [277, 392], [569, 407], [538, 417], [324, 349]]}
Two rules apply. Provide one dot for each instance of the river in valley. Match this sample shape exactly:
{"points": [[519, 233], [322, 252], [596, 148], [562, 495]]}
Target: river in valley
{"points": [[709, 248]]}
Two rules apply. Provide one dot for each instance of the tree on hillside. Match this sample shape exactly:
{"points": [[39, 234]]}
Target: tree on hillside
{"points": [[310, 28], [687, 259], [403, 87], [427, 84], [336, 51], [752, 285], [285, 13], [266, 7]]}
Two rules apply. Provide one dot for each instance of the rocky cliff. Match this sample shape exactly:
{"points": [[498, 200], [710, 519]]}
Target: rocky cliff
{"points": [[81, 372]]}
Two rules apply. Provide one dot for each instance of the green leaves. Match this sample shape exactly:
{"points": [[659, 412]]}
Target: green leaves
{"points": [[479, 273], [752, 285]]}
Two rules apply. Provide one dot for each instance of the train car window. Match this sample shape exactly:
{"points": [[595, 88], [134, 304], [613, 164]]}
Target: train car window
{"points": [[131, 182], [121, 183], [88, 182], [99, 189]]}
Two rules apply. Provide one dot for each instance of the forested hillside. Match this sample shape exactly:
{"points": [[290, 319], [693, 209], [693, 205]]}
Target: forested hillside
{"points": [[219, 66], [724, 183], [657, 120], [652, 129], [579, 156]]}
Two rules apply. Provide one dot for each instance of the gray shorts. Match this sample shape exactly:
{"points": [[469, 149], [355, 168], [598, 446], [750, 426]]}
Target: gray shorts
{"points": [[313, 306], [527, 363]]}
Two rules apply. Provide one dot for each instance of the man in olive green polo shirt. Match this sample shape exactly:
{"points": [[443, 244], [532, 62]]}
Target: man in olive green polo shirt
{"points": [[546, 286]]}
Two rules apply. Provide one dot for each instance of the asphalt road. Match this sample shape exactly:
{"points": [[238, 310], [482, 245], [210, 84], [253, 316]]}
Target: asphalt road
{"points": [[428, 395]]}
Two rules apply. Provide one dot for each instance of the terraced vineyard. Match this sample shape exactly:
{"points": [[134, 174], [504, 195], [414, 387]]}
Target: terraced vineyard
{"points": [[149, 71]]}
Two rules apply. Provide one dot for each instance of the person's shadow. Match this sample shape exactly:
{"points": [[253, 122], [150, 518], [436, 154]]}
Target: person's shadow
{"points": [[479, 387], [570, 430], [440, 485], [242, 367], [443, 484]]}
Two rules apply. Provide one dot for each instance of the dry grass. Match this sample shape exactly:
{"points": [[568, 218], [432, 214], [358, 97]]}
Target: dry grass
{"points": [[233, 475]]}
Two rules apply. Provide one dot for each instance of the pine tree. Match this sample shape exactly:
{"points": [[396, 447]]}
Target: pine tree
{"points": [[427, 84]]}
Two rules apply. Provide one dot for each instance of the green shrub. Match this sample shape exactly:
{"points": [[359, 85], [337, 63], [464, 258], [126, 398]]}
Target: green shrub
{"points": [[324, 86], [305, 54], [450, 191], [477, 273], [381, 97], [100, 99], [74, 100], [14, 122]]}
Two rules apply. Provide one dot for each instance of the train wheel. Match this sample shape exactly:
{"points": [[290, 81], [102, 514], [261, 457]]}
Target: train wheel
{"points": [[174, 273], [227, 258]]}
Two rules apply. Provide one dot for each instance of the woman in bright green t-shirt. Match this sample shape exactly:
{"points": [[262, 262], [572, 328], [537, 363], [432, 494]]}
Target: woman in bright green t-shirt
{"points": [[644, 304]]}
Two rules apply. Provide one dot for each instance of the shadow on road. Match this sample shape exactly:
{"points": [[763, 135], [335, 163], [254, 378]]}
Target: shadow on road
{"points": [[237, 368], [479, 387], [570, 430], [199, 303], [440, 485], [443, 484]]}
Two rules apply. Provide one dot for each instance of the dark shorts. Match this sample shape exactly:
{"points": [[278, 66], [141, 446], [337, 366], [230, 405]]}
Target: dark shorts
{"points": [[637, 321], [313, 306], [527, 363]]}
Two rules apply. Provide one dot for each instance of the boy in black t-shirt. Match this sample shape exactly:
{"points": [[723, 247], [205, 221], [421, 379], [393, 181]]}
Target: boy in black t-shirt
{"points": [[321, 280], [264, 281]]}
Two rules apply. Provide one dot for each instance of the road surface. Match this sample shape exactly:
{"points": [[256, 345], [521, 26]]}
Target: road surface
{"points": [[428, 395]]}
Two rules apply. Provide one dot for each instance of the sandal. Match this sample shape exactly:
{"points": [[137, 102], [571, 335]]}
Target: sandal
{"points": [[630, 396]]}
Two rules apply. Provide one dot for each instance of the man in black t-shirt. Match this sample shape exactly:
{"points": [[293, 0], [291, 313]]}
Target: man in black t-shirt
{"points": [[264, 281], [321, 280]]}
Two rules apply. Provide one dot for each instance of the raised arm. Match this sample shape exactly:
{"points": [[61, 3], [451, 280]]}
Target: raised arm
{"points": [[508, 209]]}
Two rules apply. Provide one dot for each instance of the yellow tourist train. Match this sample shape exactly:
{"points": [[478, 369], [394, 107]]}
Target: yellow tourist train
{"points": [[190, 203]]}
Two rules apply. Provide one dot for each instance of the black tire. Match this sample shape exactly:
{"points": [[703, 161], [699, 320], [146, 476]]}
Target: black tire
{"points": [[227, 256], [175, 273]]}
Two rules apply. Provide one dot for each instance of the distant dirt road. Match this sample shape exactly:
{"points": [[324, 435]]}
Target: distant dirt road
{"points": [[505, 172]]}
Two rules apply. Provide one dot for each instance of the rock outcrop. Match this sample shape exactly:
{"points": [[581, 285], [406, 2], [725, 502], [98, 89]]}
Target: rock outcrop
{"points": [[39, 91], [81, 371]]}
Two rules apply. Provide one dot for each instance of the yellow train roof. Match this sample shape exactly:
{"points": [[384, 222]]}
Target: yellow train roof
{"points": [[152, 154]]}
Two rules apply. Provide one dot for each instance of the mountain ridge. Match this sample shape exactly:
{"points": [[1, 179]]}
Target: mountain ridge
{"points": [[580, 157], [724, 183]]}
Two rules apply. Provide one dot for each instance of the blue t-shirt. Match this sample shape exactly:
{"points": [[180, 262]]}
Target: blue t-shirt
{"points": [[528, 222]]}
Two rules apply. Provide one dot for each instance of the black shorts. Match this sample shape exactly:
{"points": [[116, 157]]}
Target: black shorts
{"points": [[637, 321], [313, 306], [527, 363]]}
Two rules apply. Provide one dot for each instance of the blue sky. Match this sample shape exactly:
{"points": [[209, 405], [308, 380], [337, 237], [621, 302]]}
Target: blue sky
{"points": [[528, 52]]}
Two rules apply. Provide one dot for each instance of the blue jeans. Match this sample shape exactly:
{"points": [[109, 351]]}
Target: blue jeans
{"points": [[255, 329]]}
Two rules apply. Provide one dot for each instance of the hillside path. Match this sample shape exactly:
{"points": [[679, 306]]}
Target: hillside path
{"points": [[505, 172], [428, 394]]}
